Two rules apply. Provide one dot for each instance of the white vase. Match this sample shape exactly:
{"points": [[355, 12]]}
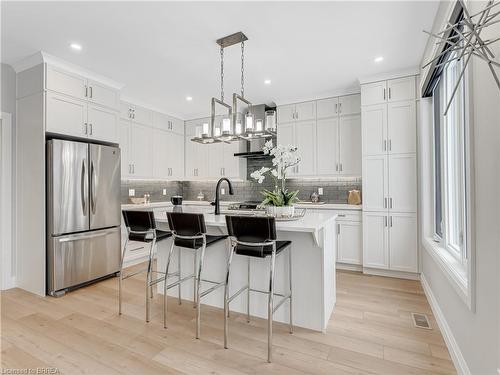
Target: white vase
{"points": [[280, 211]]}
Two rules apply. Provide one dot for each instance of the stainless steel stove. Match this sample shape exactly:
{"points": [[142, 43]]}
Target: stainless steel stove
{"points": [[242, 208]]}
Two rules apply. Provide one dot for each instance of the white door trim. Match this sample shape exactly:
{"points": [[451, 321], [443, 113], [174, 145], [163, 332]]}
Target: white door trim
{"points": [[6, 202]]}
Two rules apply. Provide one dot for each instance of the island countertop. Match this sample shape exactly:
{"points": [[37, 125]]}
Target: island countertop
{"points": [[312, 221]]}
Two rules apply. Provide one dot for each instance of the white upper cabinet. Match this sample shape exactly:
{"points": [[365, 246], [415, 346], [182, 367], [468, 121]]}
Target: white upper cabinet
{"points": [[374, 93], [326, 108], [327, 133], [375, 190], [136, 113], [124, 142], [168, 154], [402, 182], [401, 127], [374, 130], [350, 145], [234, 166], [166, 122], [67, 83], [80, 107], [286, 113], [215, 159], [141, 150], [401, 89], [102, 123], [103, 95], [297, 112], [349, 104], [305, 140], [388, 91], [65, 115], [305, 111]]}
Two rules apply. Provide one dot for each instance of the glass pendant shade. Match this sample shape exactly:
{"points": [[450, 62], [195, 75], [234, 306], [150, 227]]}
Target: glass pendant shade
{"points": [[271, 121], [206, 130], [226, 126], [259, 126], [249, 122]]}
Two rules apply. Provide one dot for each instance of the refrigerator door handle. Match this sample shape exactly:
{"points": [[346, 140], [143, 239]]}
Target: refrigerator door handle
{"points": [[93, 177], [78, 237], [84, 187]]}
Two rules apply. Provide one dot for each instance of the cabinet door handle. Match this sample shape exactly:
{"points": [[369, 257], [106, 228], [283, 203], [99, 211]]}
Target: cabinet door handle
{"points": [[385, 145], [385, 202], [341, 167], [390, 202], [384, 93], [340, 107], [336, 108], [337, 167], [90, 128], [85, 128], [86, 91], [390, 220], [90, 92], [390, 144], [385, 221], [338, 228], [389, 92]]}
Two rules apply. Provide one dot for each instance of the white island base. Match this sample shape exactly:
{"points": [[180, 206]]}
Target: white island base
{"points": [[313, 270]]}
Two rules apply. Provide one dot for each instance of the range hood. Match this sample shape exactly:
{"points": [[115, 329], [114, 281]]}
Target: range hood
{"points": [[254, 146]]}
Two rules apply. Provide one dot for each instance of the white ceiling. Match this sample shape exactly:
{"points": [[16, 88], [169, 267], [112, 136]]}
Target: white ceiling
{"points": [[164, 51]]}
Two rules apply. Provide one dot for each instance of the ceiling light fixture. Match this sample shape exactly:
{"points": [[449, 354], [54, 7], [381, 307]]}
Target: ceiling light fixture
{"points": [[189, 98], [267, 82], [379, 59], [233, 126], [75, 46]]}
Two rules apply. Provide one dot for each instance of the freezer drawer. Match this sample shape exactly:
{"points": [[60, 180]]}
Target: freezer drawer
{"points": [[79, 258]]}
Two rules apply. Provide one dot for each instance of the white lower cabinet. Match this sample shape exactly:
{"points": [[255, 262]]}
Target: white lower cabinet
{"points": [[375, 240], [390, 241], [349, 242], [403, 242]]}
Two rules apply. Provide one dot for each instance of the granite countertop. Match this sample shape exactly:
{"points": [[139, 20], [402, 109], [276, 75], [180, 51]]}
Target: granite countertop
{"points": [[313, 206]]}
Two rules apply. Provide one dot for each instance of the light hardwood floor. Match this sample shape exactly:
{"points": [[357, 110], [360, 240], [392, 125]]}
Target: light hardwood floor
{"points": [[370, 333]]}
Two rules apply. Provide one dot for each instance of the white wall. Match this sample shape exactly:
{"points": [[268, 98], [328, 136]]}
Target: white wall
{"points": [[477, 334], [8, 105]]}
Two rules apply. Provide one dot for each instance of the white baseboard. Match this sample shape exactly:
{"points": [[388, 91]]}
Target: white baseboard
{"points": [[455, 353], [9, 283], [350, 267], [389, 273]]}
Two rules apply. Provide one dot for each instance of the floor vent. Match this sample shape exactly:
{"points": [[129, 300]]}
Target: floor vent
{"points": [[421, 321]]}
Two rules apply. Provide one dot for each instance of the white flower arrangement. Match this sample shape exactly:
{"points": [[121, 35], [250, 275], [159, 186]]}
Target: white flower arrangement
{"points": [[284, 158]]}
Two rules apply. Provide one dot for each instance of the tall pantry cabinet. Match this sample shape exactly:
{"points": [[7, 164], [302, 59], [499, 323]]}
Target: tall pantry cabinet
{"points": [[389, 175]]}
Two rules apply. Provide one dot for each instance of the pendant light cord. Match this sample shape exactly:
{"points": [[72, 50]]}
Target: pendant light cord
{"points": [[222, 73], [242, 68]]}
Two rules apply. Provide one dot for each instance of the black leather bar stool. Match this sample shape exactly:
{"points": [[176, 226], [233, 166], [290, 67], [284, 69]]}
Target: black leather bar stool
{"points": [[189, 232], [256, 237], [141, 227]]}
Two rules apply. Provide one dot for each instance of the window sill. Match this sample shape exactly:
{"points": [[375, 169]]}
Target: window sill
{"points": [[455, 272]]}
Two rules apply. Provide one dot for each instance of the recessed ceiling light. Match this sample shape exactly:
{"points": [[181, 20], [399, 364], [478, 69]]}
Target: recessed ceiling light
{"points": [[267, 82], [379, 59], [189, 98], [76, 46]]}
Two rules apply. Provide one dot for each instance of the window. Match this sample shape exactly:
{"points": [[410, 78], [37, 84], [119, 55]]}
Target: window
{"points": [[449, 161]]}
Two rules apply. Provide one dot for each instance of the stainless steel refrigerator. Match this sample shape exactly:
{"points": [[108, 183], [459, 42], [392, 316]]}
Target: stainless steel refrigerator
{"points": [[83, 213]]}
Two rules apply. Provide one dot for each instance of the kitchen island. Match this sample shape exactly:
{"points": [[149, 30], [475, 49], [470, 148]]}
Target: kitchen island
{"points": [[313, 268]]}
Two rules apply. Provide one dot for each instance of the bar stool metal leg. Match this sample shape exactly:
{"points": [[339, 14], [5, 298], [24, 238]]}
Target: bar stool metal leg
{"points": [[198, 284], [248, 290], [290, 284], [120, 278], [167, 266], [179, 270], [226, 294], [195, 287], [270, 308], [148, 281]]}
